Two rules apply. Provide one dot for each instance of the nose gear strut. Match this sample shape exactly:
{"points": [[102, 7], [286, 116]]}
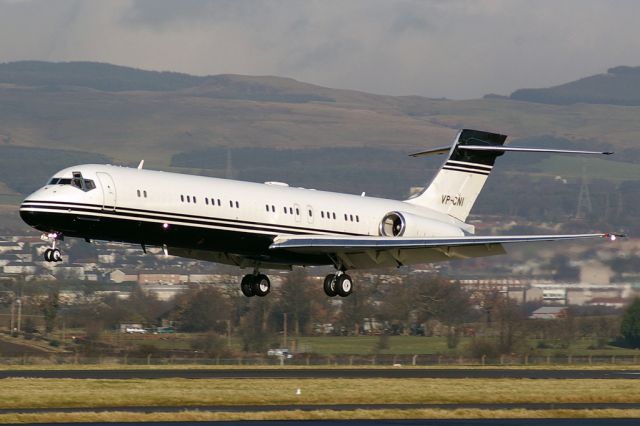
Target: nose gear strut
{"points": [[52, 254]]}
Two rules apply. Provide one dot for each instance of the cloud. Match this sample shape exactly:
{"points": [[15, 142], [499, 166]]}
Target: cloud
{"points": [[457, 49]]}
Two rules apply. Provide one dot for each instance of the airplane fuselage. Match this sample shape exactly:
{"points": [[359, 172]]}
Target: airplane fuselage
{"points": [[215, 219]]}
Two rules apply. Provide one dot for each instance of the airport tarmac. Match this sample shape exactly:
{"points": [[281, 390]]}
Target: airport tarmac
{"points": [[324, 373]]}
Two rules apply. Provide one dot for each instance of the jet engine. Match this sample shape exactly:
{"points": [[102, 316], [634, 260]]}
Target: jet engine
{"points": [[400, 224]]}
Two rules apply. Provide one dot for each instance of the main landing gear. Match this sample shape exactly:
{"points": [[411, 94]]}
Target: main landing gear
{"points": [[338, 284], [52, 254], [255, 285]]}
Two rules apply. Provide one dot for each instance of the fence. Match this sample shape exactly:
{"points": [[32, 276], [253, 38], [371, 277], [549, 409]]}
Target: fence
{"points": [[315, 360]]}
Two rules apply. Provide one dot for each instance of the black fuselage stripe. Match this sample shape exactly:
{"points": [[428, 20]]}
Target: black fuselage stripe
{"points": [[181, 216], [460, 169], [266, 228]]}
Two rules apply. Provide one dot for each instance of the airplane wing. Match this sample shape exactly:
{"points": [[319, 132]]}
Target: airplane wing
{"points": [[368, 251]]}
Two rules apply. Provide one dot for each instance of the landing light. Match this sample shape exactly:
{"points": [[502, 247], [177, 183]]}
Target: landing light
{"points": [[165, 226], [612, 237]]}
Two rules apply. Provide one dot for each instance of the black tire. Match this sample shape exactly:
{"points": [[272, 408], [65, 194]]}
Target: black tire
{"points": [[47, 255], [246, 285], [344, 285], [56, 256], [329, 285], [261, 285]]}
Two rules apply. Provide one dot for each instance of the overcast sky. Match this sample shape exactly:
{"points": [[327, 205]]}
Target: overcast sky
{"points": [[439, 48]]}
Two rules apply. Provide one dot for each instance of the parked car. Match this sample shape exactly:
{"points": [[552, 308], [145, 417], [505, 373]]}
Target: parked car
{"points": [[283, 352]]}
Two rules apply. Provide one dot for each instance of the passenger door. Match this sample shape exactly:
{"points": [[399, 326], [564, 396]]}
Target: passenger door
{"points": [[108, 191]]}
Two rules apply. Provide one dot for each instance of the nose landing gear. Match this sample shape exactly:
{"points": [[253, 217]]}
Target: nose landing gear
{"points": [[52, 254]]}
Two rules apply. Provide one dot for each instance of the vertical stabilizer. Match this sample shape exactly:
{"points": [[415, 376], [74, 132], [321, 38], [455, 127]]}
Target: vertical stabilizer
{"points": [[456, 186]]}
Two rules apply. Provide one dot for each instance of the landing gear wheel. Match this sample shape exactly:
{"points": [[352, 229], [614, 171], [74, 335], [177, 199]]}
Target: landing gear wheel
{"points": [[246, 285], [329, 285], [55, 255], [47, 255], [344, 285], [261, 285]]}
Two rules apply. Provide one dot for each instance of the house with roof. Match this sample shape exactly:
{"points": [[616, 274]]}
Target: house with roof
{"points": [[550, 312]]}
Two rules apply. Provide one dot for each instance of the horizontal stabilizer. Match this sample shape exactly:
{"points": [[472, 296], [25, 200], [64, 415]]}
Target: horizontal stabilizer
{"points": [[435, 151], [522, 149]]}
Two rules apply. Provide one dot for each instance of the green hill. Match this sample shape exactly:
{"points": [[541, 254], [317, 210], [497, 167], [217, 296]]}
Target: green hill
{"points": [[57, 115], [619, 86]]}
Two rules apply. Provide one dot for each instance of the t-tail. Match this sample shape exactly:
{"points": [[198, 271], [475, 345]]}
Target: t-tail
{"points": [[456, 186]]}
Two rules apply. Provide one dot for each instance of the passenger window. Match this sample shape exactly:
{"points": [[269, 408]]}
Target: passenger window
{"points": [[138, 193], [357, 218], [182, 198], [345, 216], [290, 210], [351, 217], [310, 213], [206, 201], [334, 215], [219, 202], [237, 205], [188, 198], [267, 207], [273, 208], [297, 211], [194, 198], [285, 210], [231, 204], [144, 193], [322, 214]]}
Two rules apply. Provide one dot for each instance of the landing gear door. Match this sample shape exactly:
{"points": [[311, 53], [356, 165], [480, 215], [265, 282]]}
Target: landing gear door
{"points": [[108, 191]]}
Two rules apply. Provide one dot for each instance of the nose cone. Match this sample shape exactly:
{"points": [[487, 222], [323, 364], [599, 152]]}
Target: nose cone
{"points": [[27, 215]]}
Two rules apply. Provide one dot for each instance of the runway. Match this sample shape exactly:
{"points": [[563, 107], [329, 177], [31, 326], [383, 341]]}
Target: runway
{"points": [[316, 407], [323, 373]]}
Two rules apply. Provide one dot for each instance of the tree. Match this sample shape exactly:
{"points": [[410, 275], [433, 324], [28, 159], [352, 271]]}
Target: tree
{"points": [[50, 310], [204, 309], [295, 301], [447, 302], [630, 328]]}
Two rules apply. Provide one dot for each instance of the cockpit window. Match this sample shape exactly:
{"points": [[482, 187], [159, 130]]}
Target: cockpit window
{"points": [[77, 181]]}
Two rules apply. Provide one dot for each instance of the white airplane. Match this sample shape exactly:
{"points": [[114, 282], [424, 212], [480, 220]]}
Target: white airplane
{"points": [[274, 226]]}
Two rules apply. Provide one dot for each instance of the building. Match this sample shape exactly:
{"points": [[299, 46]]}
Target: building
{"points": [[123, 275], [549, 312]]}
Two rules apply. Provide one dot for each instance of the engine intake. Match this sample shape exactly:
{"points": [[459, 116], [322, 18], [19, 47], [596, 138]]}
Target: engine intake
{"points": [[393, 225], [401, 224]]}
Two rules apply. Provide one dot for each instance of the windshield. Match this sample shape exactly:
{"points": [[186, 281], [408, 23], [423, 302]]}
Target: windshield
{"points": [[77, 181]]}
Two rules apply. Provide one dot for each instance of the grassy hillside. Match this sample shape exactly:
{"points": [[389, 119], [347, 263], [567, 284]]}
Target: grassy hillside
{"points": [[619, 86], [56, 115]]}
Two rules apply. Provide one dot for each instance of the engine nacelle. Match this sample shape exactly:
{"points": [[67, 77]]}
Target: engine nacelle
{"points": [[399, 224]]}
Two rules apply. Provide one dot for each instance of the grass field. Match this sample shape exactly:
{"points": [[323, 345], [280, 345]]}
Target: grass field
{"points": [[368, 345], [58, 393], [49, 393]]}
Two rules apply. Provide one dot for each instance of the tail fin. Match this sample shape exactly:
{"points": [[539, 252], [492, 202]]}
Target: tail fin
{"points": [[456, 186]]}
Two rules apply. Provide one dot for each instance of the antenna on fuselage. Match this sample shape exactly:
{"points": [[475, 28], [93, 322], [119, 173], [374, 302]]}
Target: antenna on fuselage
{"points": [[141, 165]]}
